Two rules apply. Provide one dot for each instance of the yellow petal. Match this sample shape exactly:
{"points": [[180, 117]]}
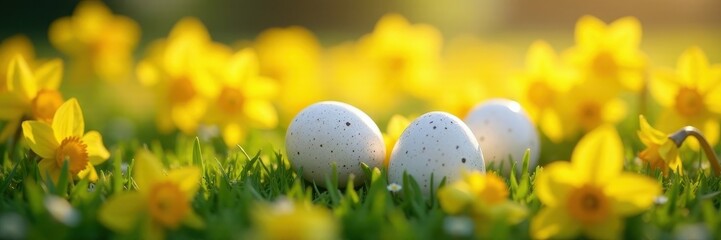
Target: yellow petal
{"points": [[589, 30], [194, 221], [711, 130], [632, 193], [540, 58], [599, 155], [692, 66], [187, 178], [9, 129], [153, 231], [261, 88], [20, 78], [13, 106], [609, 229], [61, 35], [96, 149], [554, 183], [49, 166], [233, 134], [242, 67], [89, 172], [68, 120], [40, 138], [648, 134], [455, 197], [50, 74], [121, 212], [664, 87], [551, 125], [147, 170], [396, 125], [614, 110], [625, 33], [554, 223], [261, 113]]}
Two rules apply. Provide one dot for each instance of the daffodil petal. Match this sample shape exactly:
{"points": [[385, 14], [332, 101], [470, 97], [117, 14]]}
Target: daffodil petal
{"points": [[40, 138], [551, 125], [625, 33], [599, 155], [554, 223], [609, 229], [89, 173], [454, 197], [194, 221], [692, 67], [664, 87], [261, 113], [711, 131], [650, 135], [187, 178], [632, 193], [540, 57], [9, 129], [588, 30], [96, 149], [121, 212], [20, 78], [147, 170], [49, 166], [13, 106], [49, 75], [68, 120], [553, 184], [233, 134]]}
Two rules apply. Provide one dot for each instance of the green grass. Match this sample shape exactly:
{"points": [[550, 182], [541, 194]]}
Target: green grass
{"points": [[236, 180]]}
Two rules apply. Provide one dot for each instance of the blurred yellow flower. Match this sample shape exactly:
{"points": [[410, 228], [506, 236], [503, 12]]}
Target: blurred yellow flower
{"points": [[62, 141], [405, 56], [288, 220], [609, 53], [691, 95], [395, 128], [9, 49], [292, 57], [244, 99], [99, 42], [661, 152], [541, 87], [183, 70], [590, 195], [484, 196], [30, 94], [589, 105], [163, 201]]}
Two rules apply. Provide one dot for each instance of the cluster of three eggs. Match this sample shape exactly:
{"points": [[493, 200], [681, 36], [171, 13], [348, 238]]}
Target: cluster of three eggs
{"points": [[435, 144]]}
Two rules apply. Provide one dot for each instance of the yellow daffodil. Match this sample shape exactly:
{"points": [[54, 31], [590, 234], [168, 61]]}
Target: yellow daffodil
{"points": [[292, 57], [484, 196], [183, 69], [691, 95], [244, 99], [9, 49], [405, 56], [609, 53], [395, 128], [589, 105], [661, 152], [64, 140], [542, 85], [99, 42], [288, 220], [31, 94], [162, 202], [591, 195]]}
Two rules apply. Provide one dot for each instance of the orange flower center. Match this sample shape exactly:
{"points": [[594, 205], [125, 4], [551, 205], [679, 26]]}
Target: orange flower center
{"points": [[181, 90], [689, 102], [589, 115], [653, 158], [230, 100], [73, 150], [605, 65], [45, 104], [168, 204], [495, 191], [540, 94], [588, 204]]}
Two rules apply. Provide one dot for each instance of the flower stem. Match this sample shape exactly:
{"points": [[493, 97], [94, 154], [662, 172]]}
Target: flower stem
{"points": [[679, 136]]}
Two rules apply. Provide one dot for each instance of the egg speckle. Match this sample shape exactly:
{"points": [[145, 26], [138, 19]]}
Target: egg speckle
{"points": [[438, 144], [328, 133], [504, 130]]}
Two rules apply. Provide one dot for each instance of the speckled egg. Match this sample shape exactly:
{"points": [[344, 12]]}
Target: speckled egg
{"points": [[329, 133], [504, 130], [435, 143]]}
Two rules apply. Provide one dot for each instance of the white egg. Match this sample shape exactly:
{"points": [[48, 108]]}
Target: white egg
{"points": [[328, 133], [504, 130], [435, 143]]}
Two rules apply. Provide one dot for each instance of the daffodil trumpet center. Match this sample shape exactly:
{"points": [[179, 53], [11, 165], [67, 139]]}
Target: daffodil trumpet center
{"points": [[181, 91], [75, 152], [589, 115], [588, 204], [689, 102], [604, 64], [541, 94], [495, 191], [231, 100], [168, 204], [45, 103], [679, 136]]}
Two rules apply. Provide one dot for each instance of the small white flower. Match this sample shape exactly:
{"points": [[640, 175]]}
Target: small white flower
{"points": [[91, 187], [207, 132], [660, 200], [394, 187], [458, 226], [12, 226], [62, 211], [124, 168]]}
